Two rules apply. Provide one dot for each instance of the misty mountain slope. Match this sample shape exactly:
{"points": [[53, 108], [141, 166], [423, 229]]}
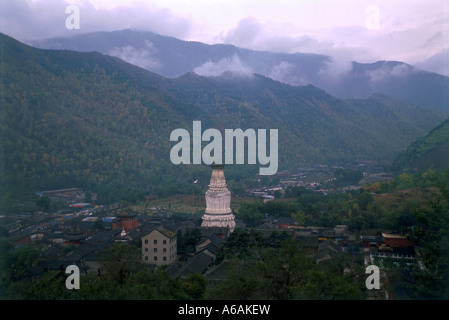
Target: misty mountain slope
{"points": [[313, 124], [398, 80], [172, 58], [86, 119]]}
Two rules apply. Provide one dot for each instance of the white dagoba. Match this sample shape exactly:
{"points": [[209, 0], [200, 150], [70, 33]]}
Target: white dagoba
{"points": [[218, 202]]}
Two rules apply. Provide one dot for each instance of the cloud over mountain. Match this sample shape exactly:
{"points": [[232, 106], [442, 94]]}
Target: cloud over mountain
{"points": [[335, 73], [230, 64], [142, 57], [414, 32], [389, 71]]}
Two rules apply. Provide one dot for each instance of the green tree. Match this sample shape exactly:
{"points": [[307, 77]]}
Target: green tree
{"points": [[186, 242], [165, 287], [88, 197], [299, 217], [251, 213], [431, 234], [120, 261], [285, 269], [44, 202], [50, 287], [345, 177], [364, 199], [241, 283], [194, 285]]}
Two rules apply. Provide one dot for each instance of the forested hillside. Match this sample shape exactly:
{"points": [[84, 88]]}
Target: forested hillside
{"points": [[429, 152], [93, 121], [80, 119]]}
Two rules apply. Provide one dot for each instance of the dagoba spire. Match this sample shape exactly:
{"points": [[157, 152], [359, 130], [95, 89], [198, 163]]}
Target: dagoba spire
{"points": [[218, 202]]}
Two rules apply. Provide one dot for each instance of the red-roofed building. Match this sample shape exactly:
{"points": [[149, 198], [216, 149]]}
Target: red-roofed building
{"points": [[126, 220], [397, 241]]}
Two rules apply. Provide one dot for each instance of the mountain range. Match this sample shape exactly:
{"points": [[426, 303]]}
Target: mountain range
{"points": [[171, 57], [92, 120]]}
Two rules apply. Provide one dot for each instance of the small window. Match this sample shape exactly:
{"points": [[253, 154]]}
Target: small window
{"points": [[165, 258], [164, 250], [155, 241], [146, 258], [164, 242], [155, 249], [146, 249], [146, 241], [155, 258]]}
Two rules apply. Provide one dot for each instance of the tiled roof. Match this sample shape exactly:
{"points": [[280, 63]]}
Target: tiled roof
{"points": [[164, 230], [197, 264]]}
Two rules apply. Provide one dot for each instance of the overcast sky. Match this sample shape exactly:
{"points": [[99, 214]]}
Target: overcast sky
{"points": [[413, 31]]}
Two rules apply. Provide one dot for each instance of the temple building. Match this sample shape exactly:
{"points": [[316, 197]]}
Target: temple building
{"points": [[218, 212]]}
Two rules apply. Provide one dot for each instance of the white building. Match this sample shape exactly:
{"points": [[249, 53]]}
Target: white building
{"points": [[218, 202]]}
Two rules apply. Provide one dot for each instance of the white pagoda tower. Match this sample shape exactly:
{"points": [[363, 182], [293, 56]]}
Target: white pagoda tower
{"points": [[218, 202]]}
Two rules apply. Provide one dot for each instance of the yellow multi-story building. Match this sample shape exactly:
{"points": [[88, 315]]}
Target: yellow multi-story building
{"points": [[159, 246]]}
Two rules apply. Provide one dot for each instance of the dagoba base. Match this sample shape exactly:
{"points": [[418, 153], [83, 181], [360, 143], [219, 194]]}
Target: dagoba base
{"points": [[218, 220]]}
